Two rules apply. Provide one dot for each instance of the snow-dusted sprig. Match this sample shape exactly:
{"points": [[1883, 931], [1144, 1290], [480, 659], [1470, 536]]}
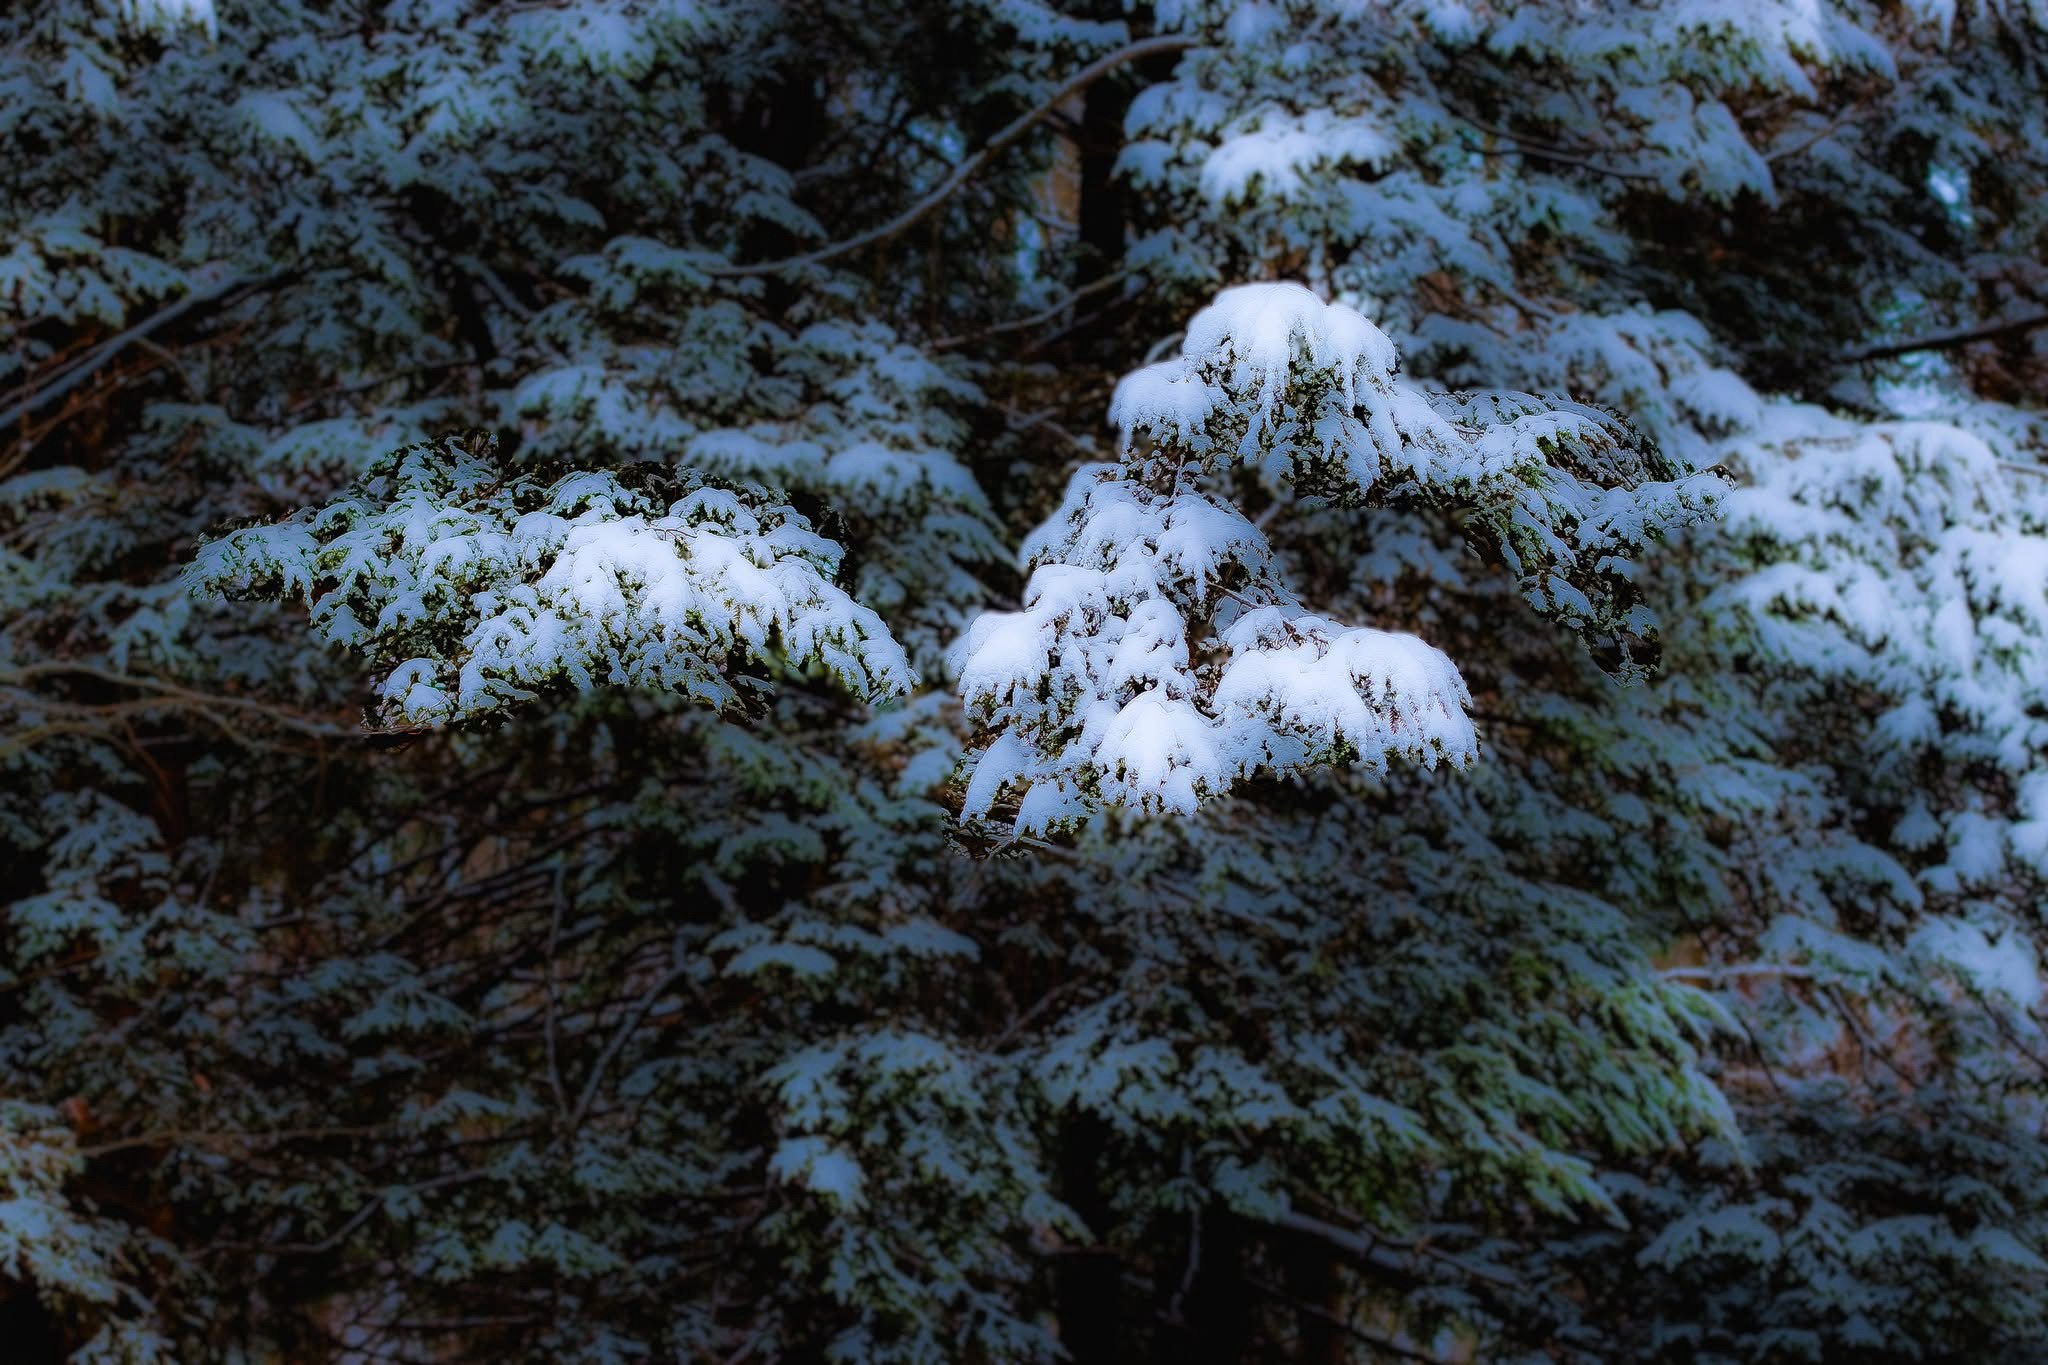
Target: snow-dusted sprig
{"points": [[1161, 657], [1311, 396], [1570, 496], [473, 586]]}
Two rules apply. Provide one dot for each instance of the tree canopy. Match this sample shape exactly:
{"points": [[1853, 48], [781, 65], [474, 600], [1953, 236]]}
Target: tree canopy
{"points": [[756, 680]]}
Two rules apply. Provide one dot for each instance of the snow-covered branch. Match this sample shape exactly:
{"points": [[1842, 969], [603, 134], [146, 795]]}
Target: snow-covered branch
{"points": [[1161, 656]]}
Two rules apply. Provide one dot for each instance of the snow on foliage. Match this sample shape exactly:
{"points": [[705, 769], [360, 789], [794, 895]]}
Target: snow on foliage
{"points": [[647, 1030], [64, 1253], [473, 586], [1162, 656], [170, 14], [1904, 566]]}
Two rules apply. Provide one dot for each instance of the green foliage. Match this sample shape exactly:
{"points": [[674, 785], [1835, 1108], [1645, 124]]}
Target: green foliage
{"points": [[471, 584], [640, 985]]}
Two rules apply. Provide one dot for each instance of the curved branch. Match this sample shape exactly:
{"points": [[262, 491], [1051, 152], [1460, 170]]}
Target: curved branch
{"points": [[1046, 314], [28, 399], [1384, 1344], [185, 696], [679, 967], [945, 189]]}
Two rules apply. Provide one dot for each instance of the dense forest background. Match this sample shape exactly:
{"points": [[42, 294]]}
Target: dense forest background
{"points": [[960, 681]]}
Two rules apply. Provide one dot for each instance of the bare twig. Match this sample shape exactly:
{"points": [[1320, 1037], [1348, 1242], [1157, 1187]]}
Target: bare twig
{"points": [[1948, 341], [29, 399], [1372, 1247], [1542, 151], [1737, 971], [1829, 129], [361, 1216], [679, 965], [561, 900], [1046, 314], [191, 1138], [1350, 1329], [191, 697]]}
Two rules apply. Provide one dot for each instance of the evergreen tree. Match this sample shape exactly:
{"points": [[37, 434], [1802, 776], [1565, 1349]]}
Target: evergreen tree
{"points": [[1502, 818]]}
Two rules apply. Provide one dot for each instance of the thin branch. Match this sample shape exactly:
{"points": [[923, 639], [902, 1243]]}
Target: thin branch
{"points": [[188, 1137], [29, 399], [1372, 1247], [1948, 341], [1539, 151], [1350, 1329], [454, 1324], [561, 900], [1736, 972], [679, 966], [1086, 320], [1044, 421], [1193, 1268], [292, 720], [170, 358], [1834, 125], [1043, 315], [364, 386], [962, 173], [369, 1210]]}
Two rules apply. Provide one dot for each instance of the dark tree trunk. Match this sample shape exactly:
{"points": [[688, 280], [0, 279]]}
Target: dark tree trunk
{"points": [[1313, 1279], [1087, 1290], [1102, 222], [1219, 1302], [28, 1334]]}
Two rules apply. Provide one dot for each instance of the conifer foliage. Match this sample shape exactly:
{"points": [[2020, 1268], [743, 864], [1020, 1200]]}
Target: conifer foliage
{"points": [[635, 578], [1318, 680], [1161, 655]]}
